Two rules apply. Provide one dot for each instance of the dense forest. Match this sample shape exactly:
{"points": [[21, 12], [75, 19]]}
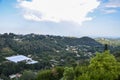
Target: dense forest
{"points": [[59, 57]]}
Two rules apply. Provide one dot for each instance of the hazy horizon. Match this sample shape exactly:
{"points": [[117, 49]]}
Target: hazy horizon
{"points": [[95, 37]]}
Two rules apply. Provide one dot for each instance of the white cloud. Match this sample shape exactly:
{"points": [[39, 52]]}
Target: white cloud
{"points": [[113, 4], [109, 11], [58, 10]]}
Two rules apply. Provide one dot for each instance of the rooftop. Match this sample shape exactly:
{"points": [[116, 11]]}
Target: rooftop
{"points": [[17, 58]]}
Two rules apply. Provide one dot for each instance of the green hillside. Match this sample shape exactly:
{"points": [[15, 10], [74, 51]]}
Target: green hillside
{"points": [[48, 50], [111, 42]]}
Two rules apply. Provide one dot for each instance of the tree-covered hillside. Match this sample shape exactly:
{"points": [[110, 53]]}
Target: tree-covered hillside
{"points": [[48, 50], [32, 44], [114, 45], [110, 41]]}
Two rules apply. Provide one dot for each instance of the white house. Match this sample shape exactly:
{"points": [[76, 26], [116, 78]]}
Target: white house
{"points": [[20, 58]]}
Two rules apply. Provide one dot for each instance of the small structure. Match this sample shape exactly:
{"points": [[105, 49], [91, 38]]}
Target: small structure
{"points": [[17, 58], [15, 76], [20, 58], [31, 61]]}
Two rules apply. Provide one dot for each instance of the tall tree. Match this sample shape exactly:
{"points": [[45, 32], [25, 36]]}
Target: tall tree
{"points": [[106, 47], [103, 66]]}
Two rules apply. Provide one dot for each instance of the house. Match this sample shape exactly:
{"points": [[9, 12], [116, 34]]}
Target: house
{"points": [[17, 58], [15, 76], [20, 58]]}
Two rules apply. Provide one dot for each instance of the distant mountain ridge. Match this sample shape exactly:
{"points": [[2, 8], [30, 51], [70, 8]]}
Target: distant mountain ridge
{"points": [[36, 44], [66, 40], [110, 41]]}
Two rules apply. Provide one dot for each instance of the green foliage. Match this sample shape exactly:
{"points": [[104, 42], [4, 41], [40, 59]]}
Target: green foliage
{"points": [[63, 50], [53, 74], [8, 68], [7, 51], [43, 48], [106, 47], [44, 75], [84, 76], [68, 74], [28, 75], [79, 70], [2, 76], [59, 71], [111, 42], [102, 67]]}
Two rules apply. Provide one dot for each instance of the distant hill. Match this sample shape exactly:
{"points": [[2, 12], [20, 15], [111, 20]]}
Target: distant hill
{"points": [[109, 41], [33, 43], [49, 49]]}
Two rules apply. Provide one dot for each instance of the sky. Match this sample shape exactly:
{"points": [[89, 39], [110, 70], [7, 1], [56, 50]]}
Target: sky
{"points": [[76, 18]]}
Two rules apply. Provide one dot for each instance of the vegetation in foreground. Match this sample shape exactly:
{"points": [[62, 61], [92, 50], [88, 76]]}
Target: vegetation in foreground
{"points": [[102, 67]]}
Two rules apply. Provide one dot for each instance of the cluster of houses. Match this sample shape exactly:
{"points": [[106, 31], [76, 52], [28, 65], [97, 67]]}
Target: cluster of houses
{"points": [[17, 59]]}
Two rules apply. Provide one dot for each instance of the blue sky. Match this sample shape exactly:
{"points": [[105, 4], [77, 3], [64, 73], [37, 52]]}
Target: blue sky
{"points": [[66, 18]]}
